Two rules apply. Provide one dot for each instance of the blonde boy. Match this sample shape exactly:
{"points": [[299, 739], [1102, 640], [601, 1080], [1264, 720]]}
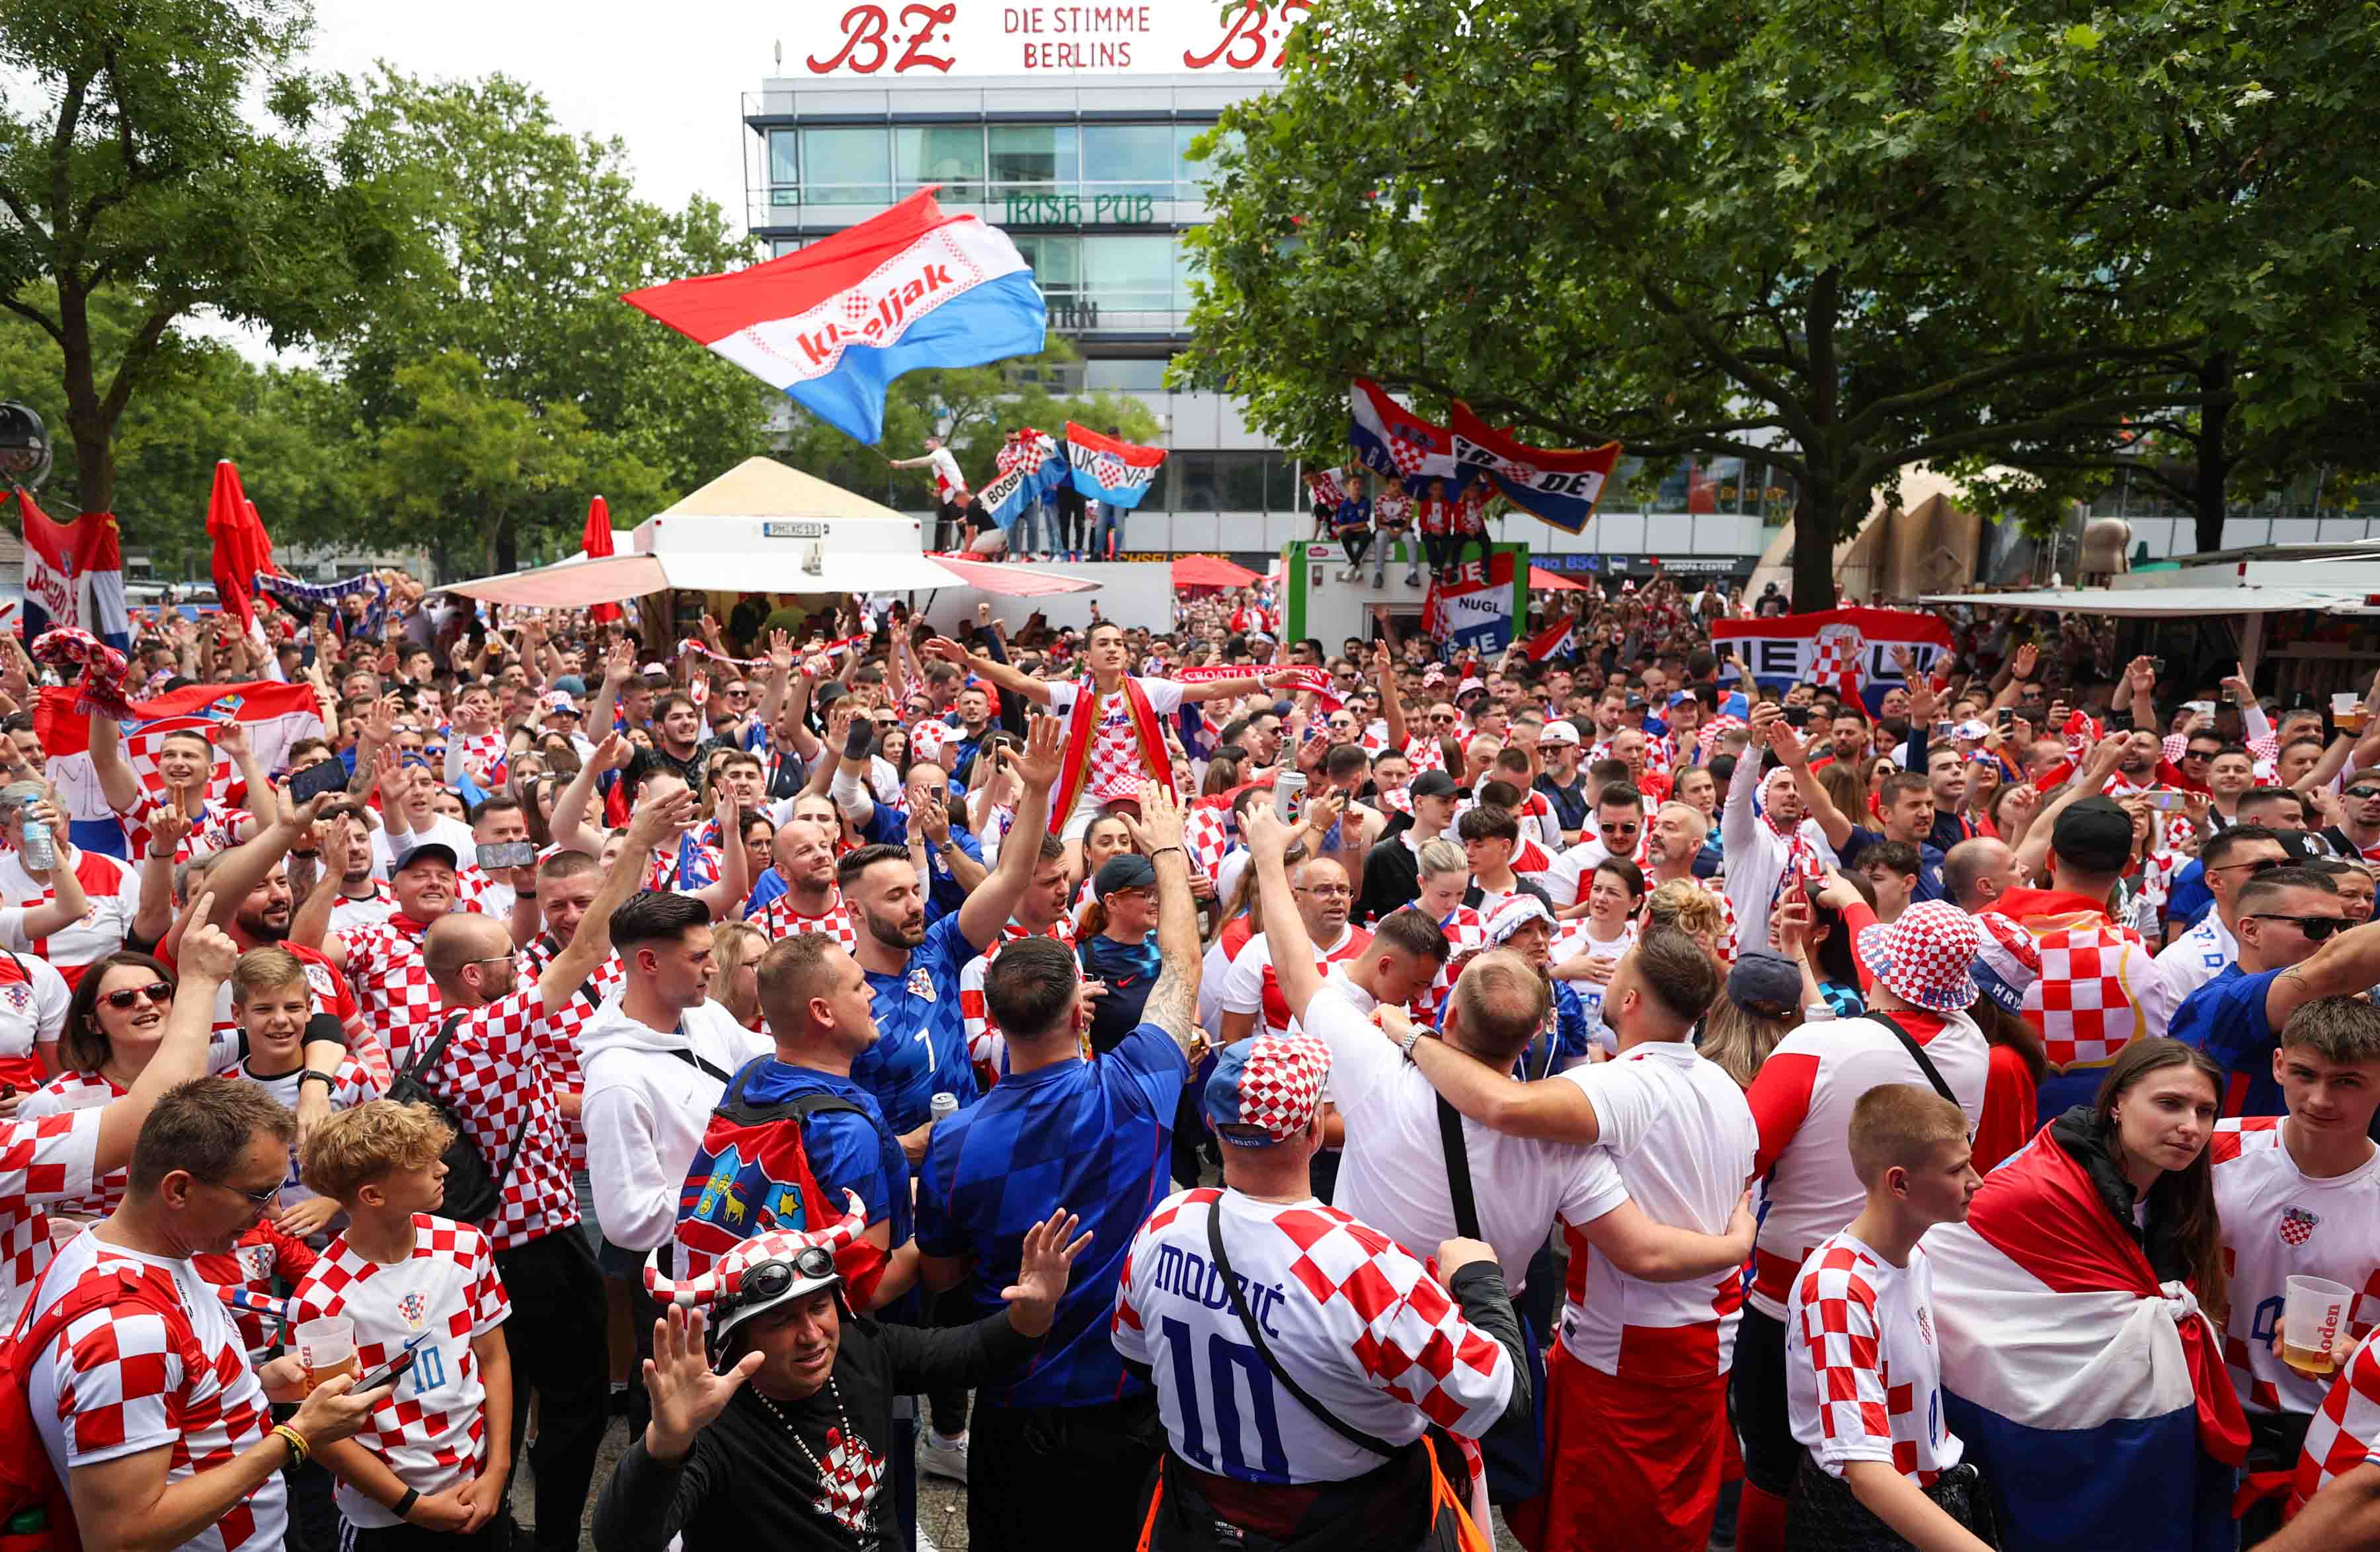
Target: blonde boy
{"points": [[271, 1002]]}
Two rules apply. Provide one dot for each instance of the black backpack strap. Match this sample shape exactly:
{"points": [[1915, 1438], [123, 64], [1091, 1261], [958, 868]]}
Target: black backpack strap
{"points": [[1917, 1053], [418, 1071], [686, 1055], [1331, 1420], [1458, 1170]]}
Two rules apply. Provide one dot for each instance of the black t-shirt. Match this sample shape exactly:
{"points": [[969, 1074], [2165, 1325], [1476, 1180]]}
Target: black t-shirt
{"points": [[746, 1485]]}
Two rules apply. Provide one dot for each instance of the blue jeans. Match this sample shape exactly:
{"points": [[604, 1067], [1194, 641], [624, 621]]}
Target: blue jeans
{"points": [[1024, 535], [1108, 532]]}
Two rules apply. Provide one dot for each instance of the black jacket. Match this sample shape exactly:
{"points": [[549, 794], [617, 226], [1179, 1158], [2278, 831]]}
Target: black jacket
{"points": [[2086, 1142], [1392, 873]]}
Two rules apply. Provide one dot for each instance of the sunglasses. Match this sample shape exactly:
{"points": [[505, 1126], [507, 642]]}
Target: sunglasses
{"points": [[2265, 864], [772, 1279], [158, 992], [264, 1198], [2365, 793], [2200, 753], [1617, 829], [2316, 928]]}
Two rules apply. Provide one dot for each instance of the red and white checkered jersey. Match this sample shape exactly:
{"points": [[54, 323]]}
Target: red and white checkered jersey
{"points": [[476, 890], [397, 999], [1802, 1101], [486, 756], [67, 1093], [1422, 751], [2086, 1005], [216, 828], [114, 888], [662, 868], [1206, 838], [561, 1031], [1118, 766], [1466, 933], [495, 1074], [2279, 1223], [778, 920], [1364, 1326], [439, 1299], [2345, 1430], [1682, 1136], [33, 998], [333, 995], [1862, 1366], [118, 1382], [263, 1255], [986, 1048], [45, 1163], [1253, 986], [352, 914]]}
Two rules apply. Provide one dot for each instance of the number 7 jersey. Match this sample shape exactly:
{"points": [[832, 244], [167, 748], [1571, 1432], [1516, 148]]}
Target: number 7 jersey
{"points": [[1363, 1328]]}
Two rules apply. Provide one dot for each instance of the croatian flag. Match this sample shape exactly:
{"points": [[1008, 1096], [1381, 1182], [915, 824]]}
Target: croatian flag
{"points": [[1111, 471], [1470, 606], [101, 574], [275, 716], [835, 322], [1561, 485], [1554, 640], [1034, 469], [1855, 651], [2091, 1396], [1392, 440], [74, 575]]}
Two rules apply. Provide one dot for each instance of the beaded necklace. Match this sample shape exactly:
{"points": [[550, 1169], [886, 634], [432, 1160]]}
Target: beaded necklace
{"points": [[849, 1494]]}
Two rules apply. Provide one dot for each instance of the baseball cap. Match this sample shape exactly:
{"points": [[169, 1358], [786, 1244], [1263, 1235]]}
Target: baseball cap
{"points": [[1264, 1091], [553, 703], [1765, 983], [570, 684], [1128, 870], [428, 851], [1433, 784], [2093, 834], [1970, 728], [1559, 733]]}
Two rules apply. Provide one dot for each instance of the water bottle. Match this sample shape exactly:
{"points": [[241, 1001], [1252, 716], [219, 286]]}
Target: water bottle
{"points": [[40, 852], [942, 1107]]}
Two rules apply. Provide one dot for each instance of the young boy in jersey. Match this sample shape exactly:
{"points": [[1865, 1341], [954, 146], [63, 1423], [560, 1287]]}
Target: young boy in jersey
{"points": [[1863, 1367], [2299, 1195], [428, 1468], [273, 1001]]}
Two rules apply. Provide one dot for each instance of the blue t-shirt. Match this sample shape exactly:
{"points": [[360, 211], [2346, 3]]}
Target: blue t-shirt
{"points": [[920, 1046], [2190, 900], [889, 826], [847, 1153], [1092, 1137], [2227, 1019], [1129, 970]]}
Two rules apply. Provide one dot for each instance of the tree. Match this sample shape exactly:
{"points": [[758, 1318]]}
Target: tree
{"points": [[130, 165], [1840, 240]]}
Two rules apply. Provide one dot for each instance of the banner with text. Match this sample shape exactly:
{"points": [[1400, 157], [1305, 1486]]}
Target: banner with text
{"points": [[1852, 650], [1559, 484], [916, 39], [1470, 607]]}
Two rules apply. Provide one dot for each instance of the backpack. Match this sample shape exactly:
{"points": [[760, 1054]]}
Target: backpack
{"points": [[473, 1191], [27, 1481], [751, 1173]]}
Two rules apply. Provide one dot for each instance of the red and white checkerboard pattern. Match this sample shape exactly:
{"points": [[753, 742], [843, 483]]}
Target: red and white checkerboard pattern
{"points": [[778, 920], [66, 1094], [1924, 955], [985, 1048], [45, 1162], [485, 756], [1280, 1082], [398, 1000], [1863, 1371], [126, 1382], [264, 1253], [663, 870], [1205, 837], [2084, 1004], [217, 828], [430, 1429], [2345, 1427], [495, 1074], [1834, 664], [561, 1031]]}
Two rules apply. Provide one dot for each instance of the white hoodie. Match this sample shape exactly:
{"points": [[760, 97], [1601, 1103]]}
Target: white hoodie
{"points": [[645, 1108]]}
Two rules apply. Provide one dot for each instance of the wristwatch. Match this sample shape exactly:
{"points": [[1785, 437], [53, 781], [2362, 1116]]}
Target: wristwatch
{"points": [[316, 1075], [1412, 1039]]}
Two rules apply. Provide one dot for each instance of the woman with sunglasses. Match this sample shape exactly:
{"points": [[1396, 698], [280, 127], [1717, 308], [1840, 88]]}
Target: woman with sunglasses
{"points": [[114, 1025]]}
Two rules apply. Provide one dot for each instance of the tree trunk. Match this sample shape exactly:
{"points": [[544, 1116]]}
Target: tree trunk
{"points": [[508, 546], [1813, 544], [88, 422], [2214, 473]]}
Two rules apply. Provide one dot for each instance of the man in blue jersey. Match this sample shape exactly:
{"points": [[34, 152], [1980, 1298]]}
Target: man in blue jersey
{"points": [[1069, 1427], [2296, 943]]}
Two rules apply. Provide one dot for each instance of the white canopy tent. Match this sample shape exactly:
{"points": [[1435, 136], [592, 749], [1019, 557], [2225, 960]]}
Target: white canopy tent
{"points": [[763, 527]]}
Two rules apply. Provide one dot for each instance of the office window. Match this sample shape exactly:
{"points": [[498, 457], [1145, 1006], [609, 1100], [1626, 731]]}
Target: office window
{"points": [[1242, 480], [1196, 487], [1057, 262], [1135, 375], [1284, 492], [784, 165], [846, 167], [1194, 172], [950, 156], [1128, 159], [1160, 495], [1129, 273], [1043, 156]]}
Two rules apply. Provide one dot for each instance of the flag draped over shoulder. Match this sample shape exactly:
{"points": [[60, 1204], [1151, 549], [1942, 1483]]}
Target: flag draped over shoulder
{"points": [[1849, 651], [833, 324], [2085, 1390], [275, 716], [1109, 469], [1561, 485]]}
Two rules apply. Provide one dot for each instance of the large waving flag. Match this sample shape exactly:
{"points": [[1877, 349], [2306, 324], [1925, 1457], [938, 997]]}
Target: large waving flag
{"points": [[1394, 441], [100, 566], [1852, 651], [1561, 485], [1031, 469], [275, 716], [1554, 640], [1111, 471], [2084, 1389], [1470, 607], [835, 322], [51, 599]]}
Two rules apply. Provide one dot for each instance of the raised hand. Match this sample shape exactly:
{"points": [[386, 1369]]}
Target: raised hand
{"points": [[206, 952], [2026, 662], [1046, 1259], [1265, 832], [660, 819], [168, 828], [1160, 824], [947, 650], [687, 1396], [1044, 755], [780, 651], [613, 752]]}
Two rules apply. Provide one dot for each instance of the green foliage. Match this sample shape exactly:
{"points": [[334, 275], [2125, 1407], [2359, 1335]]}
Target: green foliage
{"points": [[1842, 239]]}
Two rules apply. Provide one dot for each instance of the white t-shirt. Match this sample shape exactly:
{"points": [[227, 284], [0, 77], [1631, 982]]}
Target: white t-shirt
{"points": [[1394, 1172], [1118, 766], [1680, 1132], [34, 995], [2280, 1223], [2186, 963], [1864, 1364], [1566, 879], [114, 888], [1254, 986], [445, 829], [947, 478]]}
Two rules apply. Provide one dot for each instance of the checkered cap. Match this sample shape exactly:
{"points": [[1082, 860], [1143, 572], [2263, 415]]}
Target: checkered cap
{"points": [[1514, 914], [926, 738], [1926, 956], [1264, 1090], [2008, 961], [724, 1279]]}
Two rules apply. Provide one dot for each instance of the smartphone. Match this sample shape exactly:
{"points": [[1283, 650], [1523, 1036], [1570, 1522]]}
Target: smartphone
{"points": [[496, 855], [2157, 664], [2007, 717], [2164, 799], [1942, 728], [1796, 717], [395, 1370], [324, 775], [2118, 721]]}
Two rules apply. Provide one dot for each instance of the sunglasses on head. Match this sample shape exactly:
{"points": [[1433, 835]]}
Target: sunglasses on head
{"points": [[772, 1279], [2316, 928], [157, 991]]}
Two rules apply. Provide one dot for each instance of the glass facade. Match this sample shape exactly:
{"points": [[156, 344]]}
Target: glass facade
{"points": [[873, 164]]}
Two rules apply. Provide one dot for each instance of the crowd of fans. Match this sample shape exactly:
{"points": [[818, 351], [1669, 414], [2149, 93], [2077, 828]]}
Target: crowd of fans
{"points": [[1195, 1089]]}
